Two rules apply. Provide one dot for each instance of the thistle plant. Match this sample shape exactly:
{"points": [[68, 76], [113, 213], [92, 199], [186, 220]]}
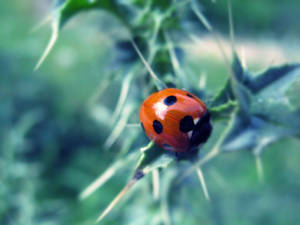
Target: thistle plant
{"points": [[251, 111]]}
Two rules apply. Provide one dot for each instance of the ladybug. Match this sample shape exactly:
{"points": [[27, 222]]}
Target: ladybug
{"points": [[176, 120]]}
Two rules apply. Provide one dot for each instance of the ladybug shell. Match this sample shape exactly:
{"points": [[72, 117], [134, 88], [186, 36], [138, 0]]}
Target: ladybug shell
{"points": [[175, 119]]}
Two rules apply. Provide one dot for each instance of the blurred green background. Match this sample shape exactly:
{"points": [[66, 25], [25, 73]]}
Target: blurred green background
{"points": [[51, 143]]}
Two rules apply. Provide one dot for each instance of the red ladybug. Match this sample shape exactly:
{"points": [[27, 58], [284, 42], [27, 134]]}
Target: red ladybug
{"points": [[175, 120]]}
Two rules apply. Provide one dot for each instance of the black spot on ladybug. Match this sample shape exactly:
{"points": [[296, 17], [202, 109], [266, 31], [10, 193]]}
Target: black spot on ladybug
{"points": [[189, 95], [142, 125], [170, 100], [157, 126], [202, 130], [186, 124]]}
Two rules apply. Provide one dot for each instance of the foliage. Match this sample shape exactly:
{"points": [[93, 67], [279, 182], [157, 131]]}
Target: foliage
{"points": [[258, 114], [251, 111]]}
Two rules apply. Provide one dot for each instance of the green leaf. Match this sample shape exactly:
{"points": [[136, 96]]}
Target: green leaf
{"points": [[270, 77], [272, 102], [152, 157], [254, 135], [65, 10], [71, 7], [271, 117]]}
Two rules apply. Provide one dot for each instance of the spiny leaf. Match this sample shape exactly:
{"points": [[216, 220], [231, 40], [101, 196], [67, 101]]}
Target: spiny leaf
{"points": [[65, 10], [152, 157], [272, 102], [71, 7], [267, 78], [263, 115], [250, 135], [270, 116]]}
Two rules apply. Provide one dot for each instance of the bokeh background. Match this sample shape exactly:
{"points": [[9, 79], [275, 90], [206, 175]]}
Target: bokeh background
{"points": [[51, 143]]}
